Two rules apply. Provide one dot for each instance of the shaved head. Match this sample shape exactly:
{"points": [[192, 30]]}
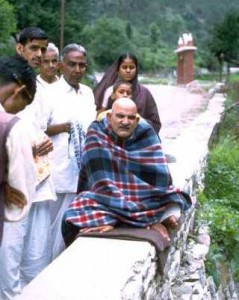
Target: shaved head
{"points": [[123, 117], [125, 103]]}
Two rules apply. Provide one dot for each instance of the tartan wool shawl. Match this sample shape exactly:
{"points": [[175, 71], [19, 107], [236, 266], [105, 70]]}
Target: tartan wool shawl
{"points": [[121, 182]]}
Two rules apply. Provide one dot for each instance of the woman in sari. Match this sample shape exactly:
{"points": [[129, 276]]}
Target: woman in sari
{"points": [[126, 68]]}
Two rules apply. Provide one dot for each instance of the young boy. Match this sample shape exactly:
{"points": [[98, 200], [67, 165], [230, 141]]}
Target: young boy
{"points": [[121, 89], [17, 89]]}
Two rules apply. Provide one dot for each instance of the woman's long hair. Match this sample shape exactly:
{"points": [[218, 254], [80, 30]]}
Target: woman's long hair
{"points": [[111, 76]]}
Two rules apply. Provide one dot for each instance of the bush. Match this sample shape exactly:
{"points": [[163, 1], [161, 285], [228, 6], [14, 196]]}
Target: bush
{"points": [[219, 205], [219, 202]]}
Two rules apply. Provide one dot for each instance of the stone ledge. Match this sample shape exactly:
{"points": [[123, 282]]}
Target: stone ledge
{"points": [[90, 270]]}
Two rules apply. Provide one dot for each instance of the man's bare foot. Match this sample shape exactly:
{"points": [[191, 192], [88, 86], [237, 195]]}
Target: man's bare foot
{"points": [[101, 229], [170, 222], [161, 229]]}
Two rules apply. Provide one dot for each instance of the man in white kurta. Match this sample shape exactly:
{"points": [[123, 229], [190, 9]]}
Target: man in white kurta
{"points": [[36, 251], [72, 106]]}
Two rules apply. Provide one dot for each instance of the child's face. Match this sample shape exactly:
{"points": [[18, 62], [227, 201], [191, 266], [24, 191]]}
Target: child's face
{"points": [[122, 91]]}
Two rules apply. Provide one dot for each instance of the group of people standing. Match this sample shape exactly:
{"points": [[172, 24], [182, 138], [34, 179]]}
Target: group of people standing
{"points": [[75, 160]]}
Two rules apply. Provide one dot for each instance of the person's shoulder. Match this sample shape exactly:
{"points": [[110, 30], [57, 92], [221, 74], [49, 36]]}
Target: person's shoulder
{"points": [[109, 88], [6, 117], [145, 92], [52, 91], [20, 129], [144, 126], [143, 88], [87, 92], [108, 91], [56, 84], [85, 88], [103, 114]]}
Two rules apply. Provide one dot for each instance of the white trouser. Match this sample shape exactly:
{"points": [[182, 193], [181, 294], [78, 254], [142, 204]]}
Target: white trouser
{"points": [[25, 250], [57, 209]]}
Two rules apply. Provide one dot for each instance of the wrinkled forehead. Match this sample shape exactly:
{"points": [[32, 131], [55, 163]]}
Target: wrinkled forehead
{"points": [[74, 56], [125, 110], [50, 54]]}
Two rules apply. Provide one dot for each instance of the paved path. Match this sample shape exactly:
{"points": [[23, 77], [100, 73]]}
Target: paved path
{"points": [[177, 108], [187, 123]]}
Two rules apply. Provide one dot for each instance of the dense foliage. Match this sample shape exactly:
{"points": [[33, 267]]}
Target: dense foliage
{"points": [[219, 202], [8, 25], [224, 43], [149, 28]]}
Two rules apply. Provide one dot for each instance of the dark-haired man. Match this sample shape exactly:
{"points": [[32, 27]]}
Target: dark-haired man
{"points": [[17, 89], [32, 44]]}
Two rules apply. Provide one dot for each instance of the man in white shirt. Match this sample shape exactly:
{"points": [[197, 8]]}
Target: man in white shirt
{"points": [[72, 110], [36, 251], [17, 89]]}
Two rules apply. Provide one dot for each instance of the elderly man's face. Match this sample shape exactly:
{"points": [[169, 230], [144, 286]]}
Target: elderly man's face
{"points": [[73, 67], [49, 64], [123, 120]]}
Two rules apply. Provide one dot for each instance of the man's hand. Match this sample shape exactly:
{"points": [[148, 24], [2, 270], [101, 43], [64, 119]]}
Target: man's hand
{"points": [[43, 148], [14, 196]]}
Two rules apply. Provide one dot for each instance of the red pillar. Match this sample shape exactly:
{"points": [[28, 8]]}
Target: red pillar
{"points": [[185, 56]]}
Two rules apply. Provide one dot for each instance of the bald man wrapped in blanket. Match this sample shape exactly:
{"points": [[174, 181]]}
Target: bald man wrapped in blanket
{"points": [[124, 178]]}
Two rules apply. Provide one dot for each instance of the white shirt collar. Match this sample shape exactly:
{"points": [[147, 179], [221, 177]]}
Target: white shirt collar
{"points": [[43, 82], [68, 87]]}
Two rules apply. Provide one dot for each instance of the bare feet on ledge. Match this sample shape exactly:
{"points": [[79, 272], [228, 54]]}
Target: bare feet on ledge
{"points": [[170, 222], [101, 229], [161, 229]]}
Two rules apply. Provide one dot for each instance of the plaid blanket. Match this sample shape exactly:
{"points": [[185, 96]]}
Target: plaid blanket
{"points": [[121, 181]]}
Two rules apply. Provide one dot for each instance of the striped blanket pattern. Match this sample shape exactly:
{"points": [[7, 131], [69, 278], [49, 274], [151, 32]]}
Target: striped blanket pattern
{"points": [[122, 181]]}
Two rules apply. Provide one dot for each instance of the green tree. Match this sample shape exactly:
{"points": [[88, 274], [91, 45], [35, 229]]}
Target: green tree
{"points": [[155, 36], [107, 39], [44, 14], [8, 21], [8, 25], [224, 43]]}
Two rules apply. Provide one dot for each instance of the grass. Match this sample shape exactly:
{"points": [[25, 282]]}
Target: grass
{"points": [[219, 202]]}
